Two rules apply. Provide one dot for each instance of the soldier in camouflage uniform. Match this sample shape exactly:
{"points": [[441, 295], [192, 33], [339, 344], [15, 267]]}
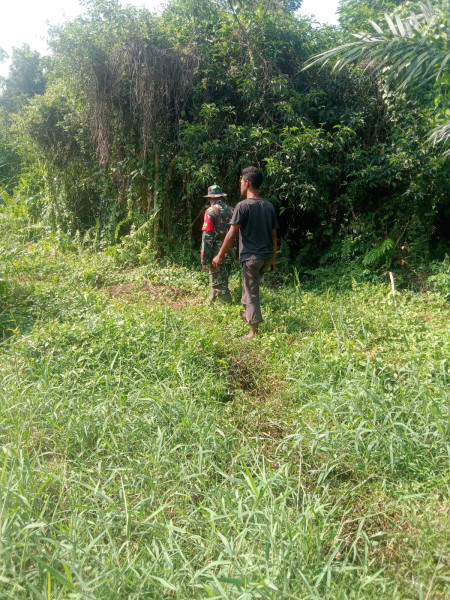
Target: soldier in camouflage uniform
{"points": [[215, 227]]}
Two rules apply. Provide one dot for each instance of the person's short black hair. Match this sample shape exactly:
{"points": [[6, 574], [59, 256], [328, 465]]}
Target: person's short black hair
{"points": [[254, 175]]}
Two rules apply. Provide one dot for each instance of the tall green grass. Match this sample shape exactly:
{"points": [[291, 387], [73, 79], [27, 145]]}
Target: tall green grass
{"points": [[149, 452]]}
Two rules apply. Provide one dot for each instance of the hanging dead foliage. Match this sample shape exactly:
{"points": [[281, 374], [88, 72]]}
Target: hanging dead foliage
{"points": [[138, 86], [100, 103]]}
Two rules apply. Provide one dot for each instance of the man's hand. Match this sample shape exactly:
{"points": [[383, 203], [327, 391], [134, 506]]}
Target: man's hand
{"points": [[205, 267], [227, 244], [272, 266], [216, 261]]}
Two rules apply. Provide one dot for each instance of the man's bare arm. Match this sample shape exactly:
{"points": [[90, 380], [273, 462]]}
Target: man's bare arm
{"points": [[275, 246], [227, 244]]}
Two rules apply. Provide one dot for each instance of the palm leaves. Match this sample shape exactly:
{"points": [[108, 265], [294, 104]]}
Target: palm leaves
{"points": [[415, 47], [441, 135], [409, 50]]}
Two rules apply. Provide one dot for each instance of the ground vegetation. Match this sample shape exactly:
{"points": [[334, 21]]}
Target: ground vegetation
{"points": [[147, 451]]}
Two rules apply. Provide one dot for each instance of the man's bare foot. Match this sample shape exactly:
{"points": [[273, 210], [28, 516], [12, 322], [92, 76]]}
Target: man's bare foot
{"points": [[253, 331]]}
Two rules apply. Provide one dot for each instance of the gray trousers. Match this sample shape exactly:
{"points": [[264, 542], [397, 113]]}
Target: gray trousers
{"points": [[252, 272]]}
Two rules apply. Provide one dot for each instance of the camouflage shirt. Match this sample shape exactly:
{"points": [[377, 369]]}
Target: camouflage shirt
{"points": [[215, 227]]}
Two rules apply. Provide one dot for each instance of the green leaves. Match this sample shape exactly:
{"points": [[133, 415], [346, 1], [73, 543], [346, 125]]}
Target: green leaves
{"points": [[380, 254], [142, 112]]}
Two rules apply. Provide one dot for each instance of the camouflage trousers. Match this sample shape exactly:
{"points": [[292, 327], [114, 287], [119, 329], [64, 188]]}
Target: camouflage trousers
{"points": [[218, 280]]}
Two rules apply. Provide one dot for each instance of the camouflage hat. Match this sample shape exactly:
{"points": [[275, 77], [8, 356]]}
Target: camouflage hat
{"points": [[214, 191]]}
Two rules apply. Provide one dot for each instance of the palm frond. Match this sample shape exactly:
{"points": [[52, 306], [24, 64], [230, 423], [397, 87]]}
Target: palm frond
{"points": [[427, 9], [391, 24], [441, 135], [411, 48], [376, 27], [443, 63], [400, 26]]}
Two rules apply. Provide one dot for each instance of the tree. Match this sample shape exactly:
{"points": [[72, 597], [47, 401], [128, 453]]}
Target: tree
{"points": [[26, 78], [142, 112], [355, 15]]}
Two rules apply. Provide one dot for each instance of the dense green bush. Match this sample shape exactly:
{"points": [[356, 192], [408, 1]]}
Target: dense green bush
{"points": [[139, 113], [440, 278]]}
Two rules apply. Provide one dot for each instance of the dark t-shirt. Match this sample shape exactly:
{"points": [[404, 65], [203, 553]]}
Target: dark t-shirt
{"points": [[256, 218]]}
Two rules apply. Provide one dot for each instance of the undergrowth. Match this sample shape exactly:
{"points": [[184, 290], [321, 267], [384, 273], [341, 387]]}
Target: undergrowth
{"points": [[147, 451]]}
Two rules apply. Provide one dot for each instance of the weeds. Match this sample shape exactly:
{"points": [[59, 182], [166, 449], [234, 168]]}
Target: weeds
{"points": [[148, 452]]}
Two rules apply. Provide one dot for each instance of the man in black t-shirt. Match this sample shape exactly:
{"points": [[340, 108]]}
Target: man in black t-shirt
{"points": [[256, 222]]}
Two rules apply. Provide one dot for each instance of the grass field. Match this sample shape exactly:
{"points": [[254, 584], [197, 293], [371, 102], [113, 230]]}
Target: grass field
{"points": [[148, 452]]}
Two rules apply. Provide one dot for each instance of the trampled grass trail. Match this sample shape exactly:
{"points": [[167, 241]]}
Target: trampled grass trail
{"points": [[147, 451]]}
